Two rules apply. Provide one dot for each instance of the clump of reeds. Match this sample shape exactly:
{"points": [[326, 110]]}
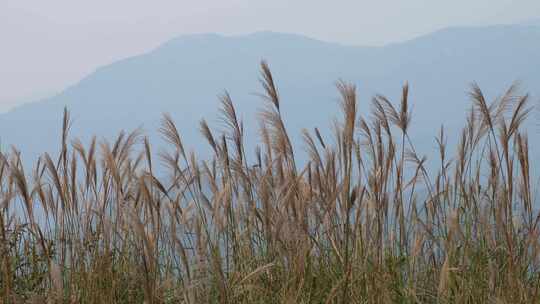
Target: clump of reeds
{"points": [[365, 220]]}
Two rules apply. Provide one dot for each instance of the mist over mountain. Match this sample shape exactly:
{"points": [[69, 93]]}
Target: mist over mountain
{"points": [[184, 76], [532, 22]]}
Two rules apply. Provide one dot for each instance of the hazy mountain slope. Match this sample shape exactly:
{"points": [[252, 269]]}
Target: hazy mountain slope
{"points": [[184, 76], [532, 22]]}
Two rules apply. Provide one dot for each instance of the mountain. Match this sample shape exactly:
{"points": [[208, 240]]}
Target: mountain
{"points": [[185, 75], [532, 22]]}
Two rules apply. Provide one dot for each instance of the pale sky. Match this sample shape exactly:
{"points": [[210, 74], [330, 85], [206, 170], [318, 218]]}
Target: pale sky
{"points": [[47, 45]]}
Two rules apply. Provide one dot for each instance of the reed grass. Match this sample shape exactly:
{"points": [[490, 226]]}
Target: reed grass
{"points": [[364, 220]]}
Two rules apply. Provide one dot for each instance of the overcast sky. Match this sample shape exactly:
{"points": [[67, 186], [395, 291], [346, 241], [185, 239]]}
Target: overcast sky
{"points": [[48, 45]]}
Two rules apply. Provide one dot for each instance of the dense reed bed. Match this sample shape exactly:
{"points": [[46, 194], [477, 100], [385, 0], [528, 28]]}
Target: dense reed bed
{"points": [[364, 220]]}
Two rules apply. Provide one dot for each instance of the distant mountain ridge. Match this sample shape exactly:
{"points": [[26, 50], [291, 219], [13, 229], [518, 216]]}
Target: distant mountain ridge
{"points": [[532, 22], [184, 76]]}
